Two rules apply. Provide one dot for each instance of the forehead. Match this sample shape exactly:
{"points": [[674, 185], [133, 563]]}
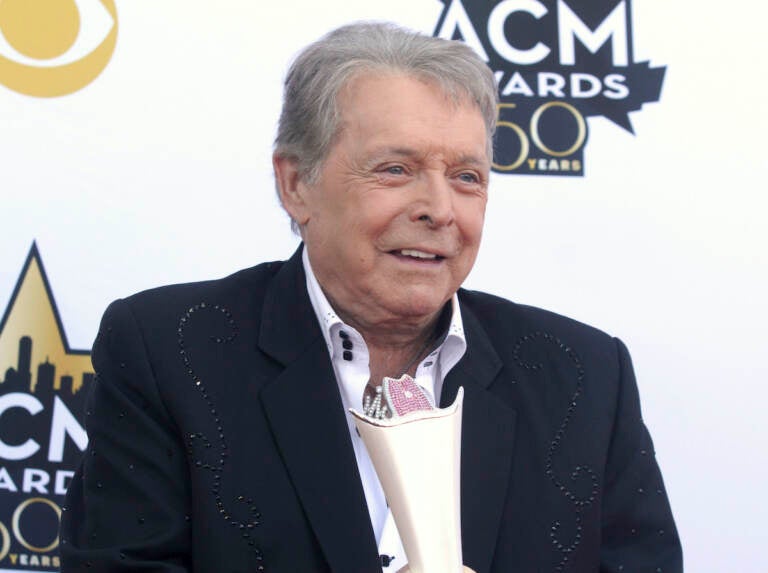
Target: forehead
{"points": [[387, 109]]}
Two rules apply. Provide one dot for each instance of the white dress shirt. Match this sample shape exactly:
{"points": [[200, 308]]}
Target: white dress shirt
{"points": [[352, 370]]}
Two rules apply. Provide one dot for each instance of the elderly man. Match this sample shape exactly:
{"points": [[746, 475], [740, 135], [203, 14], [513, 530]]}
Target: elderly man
{"points": [[219, 433]]}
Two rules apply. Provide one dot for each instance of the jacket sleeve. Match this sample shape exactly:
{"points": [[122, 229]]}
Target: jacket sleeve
{"points": [[127, 507], [639, 533]]}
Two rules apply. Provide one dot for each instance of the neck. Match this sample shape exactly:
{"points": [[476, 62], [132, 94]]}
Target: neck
{"points": [[395, 333], [397, 349]]}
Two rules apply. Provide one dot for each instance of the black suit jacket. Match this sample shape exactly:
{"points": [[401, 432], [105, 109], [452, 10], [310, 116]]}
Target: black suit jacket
{"points": [[218, 442]]}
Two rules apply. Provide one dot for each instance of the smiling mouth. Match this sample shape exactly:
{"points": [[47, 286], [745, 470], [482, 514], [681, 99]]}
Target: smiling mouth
{"points": [[417, 255]]}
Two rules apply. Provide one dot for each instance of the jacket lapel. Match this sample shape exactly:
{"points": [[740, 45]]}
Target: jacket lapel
{"points": [[487, 441], [305, 412]]}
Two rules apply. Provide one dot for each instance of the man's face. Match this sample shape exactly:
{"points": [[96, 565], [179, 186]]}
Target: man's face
{"points": [[393, 223]]}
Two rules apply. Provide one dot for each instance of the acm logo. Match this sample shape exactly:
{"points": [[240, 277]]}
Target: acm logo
{"points": [[557, 62], [51, 48], [43, 383]]}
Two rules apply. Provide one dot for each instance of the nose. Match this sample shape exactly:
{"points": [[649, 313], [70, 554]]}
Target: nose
{"points": [[434, 205]]}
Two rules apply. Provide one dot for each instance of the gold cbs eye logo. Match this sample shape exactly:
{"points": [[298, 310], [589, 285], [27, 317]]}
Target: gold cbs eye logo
{"points": [[51, 48]]}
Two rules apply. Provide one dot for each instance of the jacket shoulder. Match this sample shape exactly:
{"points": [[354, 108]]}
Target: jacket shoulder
{"points": [[250, 283], [158, 312], [499, 316]]}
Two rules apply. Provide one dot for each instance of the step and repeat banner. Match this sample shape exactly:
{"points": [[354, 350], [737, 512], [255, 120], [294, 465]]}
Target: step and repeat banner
{"points": [[628, 192]]}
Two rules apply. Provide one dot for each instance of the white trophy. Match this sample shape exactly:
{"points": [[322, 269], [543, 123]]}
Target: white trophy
{"points": [[417, 456]]}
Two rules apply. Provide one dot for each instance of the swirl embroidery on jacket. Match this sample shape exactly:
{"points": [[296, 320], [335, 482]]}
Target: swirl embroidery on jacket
{"points": [[201, 450], [580, 472]]}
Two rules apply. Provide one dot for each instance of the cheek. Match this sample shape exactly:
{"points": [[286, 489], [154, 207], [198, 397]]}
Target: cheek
{"points": [[471, 219], [379, 218]]}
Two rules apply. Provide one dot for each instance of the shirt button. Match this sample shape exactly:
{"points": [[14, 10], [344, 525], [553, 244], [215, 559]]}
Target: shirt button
{"points": [[343, 334], [347, 344], [347, 355]]}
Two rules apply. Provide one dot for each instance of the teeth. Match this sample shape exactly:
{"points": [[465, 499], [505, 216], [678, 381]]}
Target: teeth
{"points": [[417, 254]]}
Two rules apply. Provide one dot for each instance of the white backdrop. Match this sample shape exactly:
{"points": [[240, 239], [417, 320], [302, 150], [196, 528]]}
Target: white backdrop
{"points": [[160, 172]]}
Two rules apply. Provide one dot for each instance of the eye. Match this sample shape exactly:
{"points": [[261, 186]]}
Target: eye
{"points": [[25, 38], [395, 170], [469, 177]]}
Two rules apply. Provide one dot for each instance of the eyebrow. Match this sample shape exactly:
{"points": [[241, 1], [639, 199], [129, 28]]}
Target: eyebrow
{"points": [[412, 153]]}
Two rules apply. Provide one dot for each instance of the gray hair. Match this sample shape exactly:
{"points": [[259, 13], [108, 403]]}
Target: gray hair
{"points": [[309, 121]]}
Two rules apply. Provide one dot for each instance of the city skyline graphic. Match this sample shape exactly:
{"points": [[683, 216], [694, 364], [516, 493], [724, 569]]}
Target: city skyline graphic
{"points": [[35, 355]]}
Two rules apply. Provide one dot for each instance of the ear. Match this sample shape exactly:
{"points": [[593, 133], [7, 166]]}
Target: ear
{"points": [[291, 189]]}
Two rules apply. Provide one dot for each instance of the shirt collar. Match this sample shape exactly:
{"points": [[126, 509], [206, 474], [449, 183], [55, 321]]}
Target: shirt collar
{"points": [[331, 325]]}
